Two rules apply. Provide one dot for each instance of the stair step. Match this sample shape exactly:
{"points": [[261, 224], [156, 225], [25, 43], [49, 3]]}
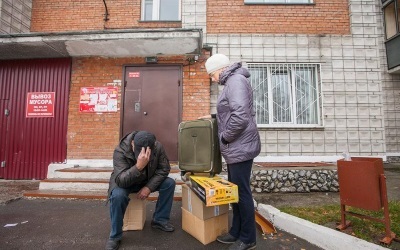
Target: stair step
{"points": [[96, 170], [85, 182], [84, 169], [69, 194], [76, 180], [73, 180], [49, 193], [94, 173], [75, 184], [81, 173]]}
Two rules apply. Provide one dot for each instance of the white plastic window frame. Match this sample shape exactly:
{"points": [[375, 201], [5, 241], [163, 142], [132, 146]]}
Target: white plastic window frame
{"points": [[156, 11], [319, 105]]}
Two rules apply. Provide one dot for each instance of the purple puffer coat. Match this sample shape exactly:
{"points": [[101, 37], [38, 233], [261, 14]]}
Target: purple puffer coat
{"points": [[236, 117]]}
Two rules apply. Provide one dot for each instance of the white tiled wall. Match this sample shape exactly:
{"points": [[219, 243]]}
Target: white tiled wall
{"points": [[361, 101], [15, 16]]}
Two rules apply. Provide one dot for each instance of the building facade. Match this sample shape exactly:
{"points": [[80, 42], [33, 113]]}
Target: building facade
{"points": [[324, 82]]}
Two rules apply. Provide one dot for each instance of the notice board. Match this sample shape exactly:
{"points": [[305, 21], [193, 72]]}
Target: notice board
{"points": [[98, 99]]}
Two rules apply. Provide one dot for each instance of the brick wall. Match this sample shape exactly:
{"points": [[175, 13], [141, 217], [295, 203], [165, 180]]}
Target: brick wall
{"points": [[80, 15], [94, 136], [233, 16]]}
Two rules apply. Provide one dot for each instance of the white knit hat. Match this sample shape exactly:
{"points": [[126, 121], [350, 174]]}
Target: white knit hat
{"points": [[216, 62]]}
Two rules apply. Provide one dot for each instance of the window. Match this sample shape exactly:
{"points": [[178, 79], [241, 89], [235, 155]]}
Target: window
{"points": [[278, 1], [161, 10], [286, 94], [392, 18]]}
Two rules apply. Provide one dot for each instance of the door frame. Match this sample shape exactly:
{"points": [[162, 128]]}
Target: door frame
{"points": [[4, 154]]}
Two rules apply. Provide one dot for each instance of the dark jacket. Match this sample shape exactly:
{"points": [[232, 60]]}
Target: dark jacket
{"points": [[237, 128], [125, 173]]}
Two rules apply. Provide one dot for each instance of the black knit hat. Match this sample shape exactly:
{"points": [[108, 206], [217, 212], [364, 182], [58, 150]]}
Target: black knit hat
{"points": [[143, 139]]}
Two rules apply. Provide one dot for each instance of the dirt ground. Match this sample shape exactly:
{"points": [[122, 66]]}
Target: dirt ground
{"points": [[14, 189]]}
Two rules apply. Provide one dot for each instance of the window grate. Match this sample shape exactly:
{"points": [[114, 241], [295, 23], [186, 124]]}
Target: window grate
{"points": [[286, 93]]}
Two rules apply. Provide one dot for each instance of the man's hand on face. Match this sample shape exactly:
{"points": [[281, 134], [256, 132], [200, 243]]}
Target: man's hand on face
{"points": [[143, 193], [143, 158]]}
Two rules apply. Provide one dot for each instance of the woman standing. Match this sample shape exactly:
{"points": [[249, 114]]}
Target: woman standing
{"points": [[239, 143]]}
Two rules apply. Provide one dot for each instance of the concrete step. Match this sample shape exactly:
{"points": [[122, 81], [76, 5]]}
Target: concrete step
{"points": [[70, 194], [80, 184], [95, 173], [83, 189], [76, 184], [81, 173], [87, 182]]}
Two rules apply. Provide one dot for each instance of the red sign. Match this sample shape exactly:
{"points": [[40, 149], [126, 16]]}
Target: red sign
{"points": [[98, 99], [40, 104], [133, 74]]}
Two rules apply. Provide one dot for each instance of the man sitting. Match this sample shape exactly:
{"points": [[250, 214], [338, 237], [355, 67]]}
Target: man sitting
{"points": [[140, 166]]}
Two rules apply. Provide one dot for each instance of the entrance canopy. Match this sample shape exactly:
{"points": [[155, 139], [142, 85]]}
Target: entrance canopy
{"points": [[107, 43]]}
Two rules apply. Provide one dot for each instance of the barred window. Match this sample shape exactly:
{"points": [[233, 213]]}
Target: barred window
{"points": [[286, 94]]}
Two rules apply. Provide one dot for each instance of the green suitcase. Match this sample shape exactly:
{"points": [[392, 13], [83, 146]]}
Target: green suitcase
{"points": [[198, 147]]}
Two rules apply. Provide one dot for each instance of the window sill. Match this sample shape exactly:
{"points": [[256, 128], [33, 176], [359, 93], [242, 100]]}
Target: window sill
{"points": [[392, 37], [290, 127], [159, 21], [279, 3]]}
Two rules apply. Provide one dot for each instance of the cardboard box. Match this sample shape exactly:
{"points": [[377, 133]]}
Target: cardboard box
{"points": [[194, 205], [205, 231], [135, 214], [214, 191]]}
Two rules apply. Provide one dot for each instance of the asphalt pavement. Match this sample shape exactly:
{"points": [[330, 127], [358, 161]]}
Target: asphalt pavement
{"points": [[85, 224]]}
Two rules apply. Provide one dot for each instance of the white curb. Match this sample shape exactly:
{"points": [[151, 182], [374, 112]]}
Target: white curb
{"points": [[320, 236]]}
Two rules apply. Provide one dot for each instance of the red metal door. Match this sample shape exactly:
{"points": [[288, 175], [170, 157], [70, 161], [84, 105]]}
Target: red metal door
{"points": [[152, 102], [3, 134], [31, 144]]}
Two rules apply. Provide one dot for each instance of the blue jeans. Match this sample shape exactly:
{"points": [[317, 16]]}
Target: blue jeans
{"points": [[119, 200], [243, 221]]}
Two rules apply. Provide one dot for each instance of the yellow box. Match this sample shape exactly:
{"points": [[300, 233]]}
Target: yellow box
{"points": [[214, 191], [205, 231], [194, 205], [135, 214]]}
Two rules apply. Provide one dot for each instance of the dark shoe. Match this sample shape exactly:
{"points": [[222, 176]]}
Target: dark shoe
{"points": [[226, 238], [165, 226], [112, 244], [239, 245]]}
